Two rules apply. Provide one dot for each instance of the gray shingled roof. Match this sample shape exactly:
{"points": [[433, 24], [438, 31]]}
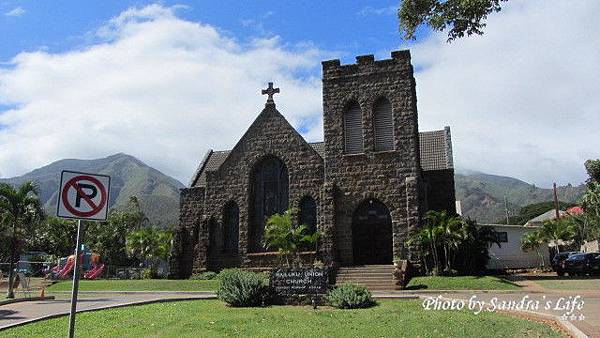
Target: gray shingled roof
{"points": [[211, 162], [436, 154], [436, 149], [547, 216]]}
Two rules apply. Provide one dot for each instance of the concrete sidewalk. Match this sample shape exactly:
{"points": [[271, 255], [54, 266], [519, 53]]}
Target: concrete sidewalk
{"points": [[27, 312]]}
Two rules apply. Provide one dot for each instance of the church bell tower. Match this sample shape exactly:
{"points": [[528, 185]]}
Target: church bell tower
{"points": [[372, 146]]}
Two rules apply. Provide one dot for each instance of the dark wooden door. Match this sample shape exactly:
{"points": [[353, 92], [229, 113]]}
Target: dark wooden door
{"points": [[372, 234]]}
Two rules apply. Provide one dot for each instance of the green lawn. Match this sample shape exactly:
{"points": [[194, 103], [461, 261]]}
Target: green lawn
{"points": [[569, 283], [138, 285], [214, 319], [461, 283]]}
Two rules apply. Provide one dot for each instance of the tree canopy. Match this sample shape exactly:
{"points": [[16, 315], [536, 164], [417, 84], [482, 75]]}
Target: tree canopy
{"points": [[593, 169], [460, 17], [20, 208], [533, 210], [448, 244]]}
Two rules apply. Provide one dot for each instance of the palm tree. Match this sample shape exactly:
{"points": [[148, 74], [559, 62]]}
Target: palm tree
{"points": [[280, 234], [452, 235], [429, 235], [557, 230], [474, 247], [19, 207], [533, 241], [150, 244]]}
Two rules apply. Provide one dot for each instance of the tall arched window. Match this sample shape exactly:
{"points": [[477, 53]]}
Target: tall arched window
{"points": [[383, 123], [212, 237], [231, 227], [308, 213], [269, 185], [353, 133]]}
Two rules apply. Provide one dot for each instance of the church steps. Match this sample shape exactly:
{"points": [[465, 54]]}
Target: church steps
{"points": [[364, 280], [367, 269], [370, 273], [374, 277]]}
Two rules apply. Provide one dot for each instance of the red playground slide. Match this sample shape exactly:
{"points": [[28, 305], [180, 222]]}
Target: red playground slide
{"points": [[94, 272], [67, 269]]}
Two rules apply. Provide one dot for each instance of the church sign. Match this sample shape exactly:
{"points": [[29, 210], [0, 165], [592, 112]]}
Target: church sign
{"points": [[299, 281]]}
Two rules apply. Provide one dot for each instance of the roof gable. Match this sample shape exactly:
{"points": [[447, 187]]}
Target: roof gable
{"points": [[213, 160]]}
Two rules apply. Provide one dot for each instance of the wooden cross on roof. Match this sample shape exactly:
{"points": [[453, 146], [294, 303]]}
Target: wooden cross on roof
{"points": [[270, 91]]}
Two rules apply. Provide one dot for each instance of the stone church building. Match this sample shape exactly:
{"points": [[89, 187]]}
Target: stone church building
{"points": [[364, 188]]}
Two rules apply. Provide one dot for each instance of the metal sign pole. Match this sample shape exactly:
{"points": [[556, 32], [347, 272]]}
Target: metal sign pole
{"points": [[76, 273]]}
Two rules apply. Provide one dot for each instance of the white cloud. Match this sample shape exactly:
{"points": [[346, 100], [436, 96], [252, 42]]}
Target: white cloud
{"points": [[523, 99], [18, 11], [377, 11], [156, 86]]}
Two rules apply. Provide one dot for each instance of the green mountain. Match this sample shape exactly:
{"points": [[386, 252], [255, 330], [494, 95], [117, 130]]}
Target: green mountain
{"points": [[158, 194], [482, 195]]}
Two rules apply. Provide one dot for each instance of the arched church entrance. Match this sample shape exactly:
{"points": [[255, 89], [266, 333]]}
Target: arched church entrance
{"points": [[269, 186], [372, 233]]}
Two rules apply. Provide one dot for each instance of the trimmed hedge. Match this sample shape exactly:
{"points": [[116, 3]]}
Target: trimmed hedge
{"points": [[350, 296]]}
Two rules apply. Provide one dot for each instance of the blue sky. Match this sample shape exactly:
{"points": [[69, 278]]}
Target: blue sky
{"points": [[347, 27], [166, 81]]}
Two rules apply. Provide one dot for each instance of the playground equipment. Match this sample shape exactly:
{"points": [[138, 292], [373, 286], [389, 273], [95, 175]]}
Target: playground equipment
{"points": [[94, 272], [90, 265]]}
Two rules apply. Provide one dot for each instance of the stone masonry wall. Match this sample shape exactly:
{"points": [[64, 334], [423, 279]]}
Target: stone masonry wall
{"points": [[393, 177], [189, 237], [270, 134]]}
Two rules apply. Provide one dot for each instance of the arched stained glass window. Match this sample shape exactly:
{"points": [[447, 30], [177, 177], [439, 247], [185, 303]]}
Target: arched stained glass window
{"points": [[269, 185]]}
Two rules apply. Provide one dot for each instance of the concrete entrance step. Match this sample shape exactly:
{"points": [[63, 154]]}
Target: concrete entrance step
{"points": [[367, 273], [345, 279], [374, 277]]}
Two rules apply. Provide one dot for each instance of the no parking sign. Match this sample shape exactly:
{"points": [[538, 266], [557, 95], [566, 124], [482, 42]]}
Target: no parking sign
{"points": [[83, 196]]}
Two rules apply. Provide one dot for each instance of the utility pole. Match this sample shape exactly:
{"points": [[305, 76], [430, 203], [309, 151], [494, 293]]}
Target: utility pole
{"points": [[11, 272], [556, 202], [506, 209]]}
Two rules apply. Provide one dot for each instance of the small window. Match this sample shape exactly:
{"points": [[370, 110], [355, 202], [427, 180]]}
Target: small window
{"points": [[502, 236], [383, 123], [231, 228], [308, 213], [212, 236], [353, 133]]}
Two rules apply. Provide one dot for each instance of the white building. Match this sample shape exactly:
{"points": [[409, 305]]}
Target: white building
{"points": [[509, 255]]}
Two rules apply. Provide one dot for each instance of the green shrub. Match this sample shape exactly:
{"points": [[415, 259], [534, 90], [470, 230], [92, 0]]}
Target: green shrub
{"points": [[147, 274], [242, 288], [227, 272], [350, 296], [208, 275]]}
